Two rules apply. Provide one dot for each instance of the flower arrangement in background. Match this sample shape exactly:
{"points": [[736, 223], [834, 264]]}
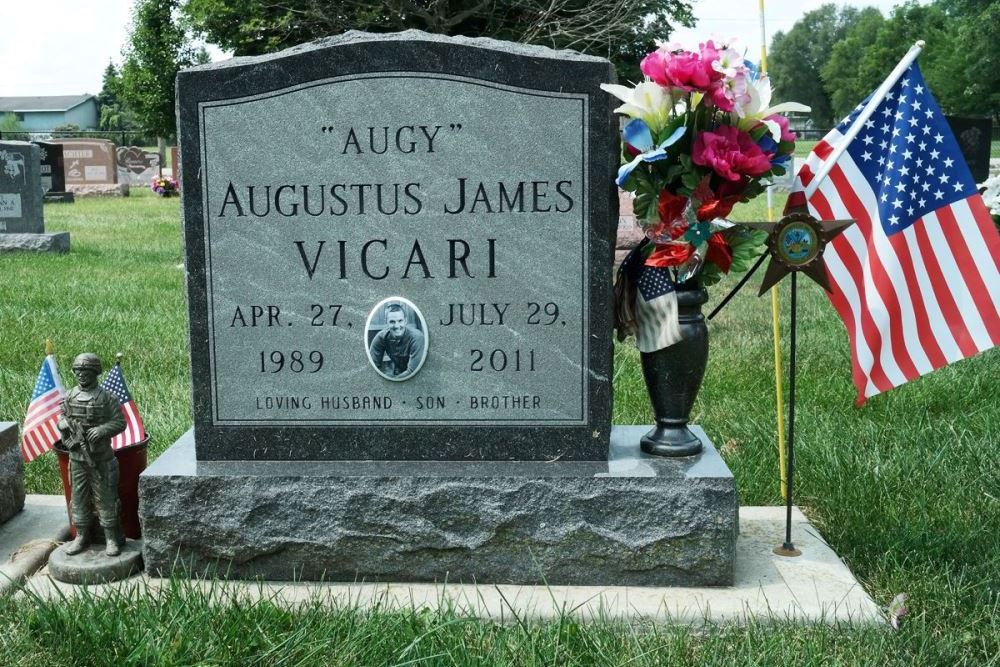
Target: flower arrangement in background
{"points": [[164, 186], [703, 137], [991, 195]]}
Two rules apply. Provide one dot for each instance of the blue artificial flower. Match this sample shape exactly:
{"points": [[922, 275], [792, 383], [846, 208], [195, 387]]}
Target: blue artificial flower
{"points": [[769, 145], [638, 135], [752, 69]]}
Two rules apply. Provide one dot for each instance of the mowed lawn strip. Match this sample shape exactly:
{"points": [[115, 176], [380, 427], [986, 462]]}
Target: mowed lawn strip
{"points": [[906, 489]]}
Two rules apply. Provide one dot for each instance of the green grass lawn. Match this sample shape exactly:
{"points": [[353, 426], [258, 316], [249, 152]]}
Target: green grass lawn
{"points": [[906, 489]]}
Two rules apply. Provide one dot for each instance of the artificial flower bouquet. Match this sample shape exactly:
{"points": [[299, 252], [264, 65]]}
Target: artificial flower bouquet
{"points": [[703, 137], [164, 186], [991, 195]]}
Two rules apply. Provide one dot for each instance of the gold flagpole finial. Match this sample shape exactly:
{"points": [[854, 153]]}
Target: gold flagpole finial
{"points": [[50, 347]]}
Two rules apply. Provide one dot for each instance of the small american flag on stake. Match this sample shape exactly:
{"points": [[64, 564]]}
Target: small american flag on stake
{"points": [[917, 279], [134, 431], [40, 431]]}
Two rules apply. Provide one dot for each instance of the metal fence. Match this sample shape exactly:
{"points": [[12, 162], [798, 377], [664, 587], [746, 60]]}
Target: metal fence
{"points": [[119, 138]]}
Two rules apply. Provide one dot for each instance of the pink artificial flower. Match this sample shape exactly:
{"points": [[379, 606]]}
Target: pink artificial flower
{"points": [[731, 153], [683, 69], [786, 133], [729, 85]]}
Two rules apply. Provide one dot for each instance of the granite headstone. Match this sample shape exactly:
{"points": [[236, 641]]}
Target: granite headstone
{"points": [[22, 224], [477, 190], [53, 172], [91, 167], [399, 254], [11, 472], [974, 135], [137, 166], [20, 188]]}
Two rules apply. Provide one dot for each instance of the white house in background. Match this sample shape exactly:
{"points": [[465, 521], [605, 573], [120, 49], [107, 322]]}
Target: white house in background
{"points": [[43, 114]]}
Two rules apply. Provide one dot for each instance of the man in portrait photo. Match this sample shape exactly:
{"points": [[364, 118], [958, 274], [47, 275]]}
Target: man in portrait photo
{"points": [[401, 343]]}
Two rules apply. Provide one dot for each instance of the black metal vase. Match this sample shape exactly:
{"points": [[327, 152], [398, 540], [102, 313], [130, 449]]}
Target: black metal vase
{"points": [[673, 376]]}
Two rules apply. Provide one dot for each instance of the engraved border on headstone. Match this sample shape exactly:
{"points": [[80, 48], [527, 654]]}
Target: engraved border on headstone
{"points": [[222, 416], [379, 320]]}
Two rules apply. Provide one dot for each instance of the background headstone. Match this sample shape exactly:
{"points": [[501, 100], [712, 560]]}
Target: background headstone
{"points": [[484, 196], [136, 166], [53, 172], [974, 136], [20, 188], [89, 161], [11, 472]]}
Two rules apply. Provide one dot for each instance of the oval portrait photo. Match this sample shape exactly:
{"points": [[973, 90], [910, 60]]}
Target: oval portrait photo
{"points": [[396, 338]]}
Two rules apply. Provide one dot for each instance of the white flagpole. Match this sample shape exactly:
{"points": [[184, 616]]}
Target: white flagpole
{"points": [[863, 117]]}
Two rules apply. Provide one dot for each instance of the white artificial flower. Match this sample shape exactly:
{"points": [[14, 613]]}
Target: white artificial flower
{"points": [[759, 107], [649, 101]]}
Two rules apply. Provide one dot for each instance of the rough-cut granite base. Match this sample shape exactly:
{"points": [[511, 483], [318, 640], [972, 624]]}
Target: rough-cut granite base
{"points": [[106, 190], [56, 242], [11, 472], [633, 520]]}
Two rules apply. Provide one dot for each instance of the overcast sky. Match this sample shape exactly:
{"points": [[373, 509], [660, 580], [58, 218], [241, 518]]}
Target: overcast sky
{"points": [[61, 47]]}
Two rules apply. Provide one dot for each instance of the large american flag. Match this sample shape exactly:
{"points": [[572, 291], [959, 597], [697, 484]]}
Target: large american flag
{"points": [[40, 431], [134, 431], [916, 280]]}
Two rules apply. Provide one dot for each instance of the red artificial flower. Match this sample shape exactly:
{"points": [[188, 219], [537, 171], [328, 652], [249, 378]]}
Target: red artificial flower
{"points": [[718, 203], [671, 211], [669, 254], [719, 252], [717, 208]]}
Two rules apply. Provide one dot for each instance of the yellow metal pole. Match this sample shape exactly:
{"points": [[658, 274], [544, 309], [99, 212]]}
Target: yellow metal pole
{"points": [[776, 331]]}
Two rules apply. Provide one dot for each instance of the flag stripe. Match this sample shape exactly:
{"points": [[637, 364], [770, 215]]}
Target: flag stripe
{"points": [[845, 297], [952, 316], [891, 311], [861, 281], [925, 324], [966, 266], [987, 229], [861, 204], [955, 279]]}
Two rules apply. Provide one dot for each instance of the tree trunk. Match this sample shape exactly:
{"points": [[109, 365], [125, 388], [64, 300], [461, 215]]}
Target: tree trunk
{"points": [[161, 148]]}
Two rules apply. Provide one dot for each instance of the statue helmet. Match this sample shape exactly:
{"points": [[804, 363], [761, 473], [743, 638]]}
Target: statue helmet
{"points": [[88, 360]]}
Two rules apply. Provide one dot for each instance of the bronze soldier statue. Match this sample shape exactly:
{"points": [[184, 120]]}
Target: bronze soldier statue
{"points": [[91, 416]]}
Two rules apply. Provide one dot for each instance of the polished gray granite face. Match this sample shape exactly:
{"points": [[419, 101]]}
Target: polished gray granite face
{"points": [[20, 189], [629, 519], [469, 177]]}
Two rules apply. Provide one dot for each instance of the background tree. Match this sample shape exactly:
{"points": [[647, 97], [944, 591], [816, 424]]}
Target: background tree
{"points": [[158, 47], [842, 76], [11, 128], [797, 58], [113, 115], [621, 30], [960, 61]]}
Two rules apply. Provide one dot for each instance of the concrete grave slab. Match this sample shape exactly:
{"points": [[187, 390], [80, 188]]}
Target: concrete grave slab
{"points": [[816, 587]]}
